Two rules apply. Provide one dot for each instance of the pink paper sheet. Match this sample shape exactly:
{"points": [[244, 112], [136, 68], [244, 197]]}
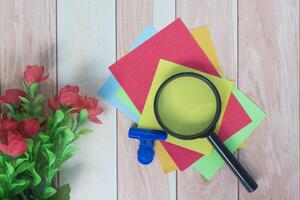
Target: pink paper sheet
{"points": [[181, 156], [135, 71]]}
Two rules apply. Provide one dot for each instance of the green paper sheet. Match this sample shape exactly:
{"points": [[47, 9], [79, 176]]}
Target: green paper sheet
{"points": [[209, 165], [127, 102]]}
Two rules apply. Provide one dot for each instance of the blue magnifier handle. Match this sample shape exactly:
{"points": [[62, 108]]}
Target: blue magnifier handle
{"points": [[145, 154]]}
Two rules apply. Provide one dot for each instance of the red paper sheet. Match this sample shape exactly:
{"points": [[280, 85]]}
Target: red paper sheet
{"points": [[235, 117], [136, 70], [181, 156]]}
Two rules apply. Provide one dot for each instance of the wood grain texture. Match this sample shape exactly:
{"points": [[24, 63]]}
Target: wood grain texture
{"points": [[92, 33], [135, 182], [269, 74], [27, 36], [219, 17], [86, 47], [164, 12]]}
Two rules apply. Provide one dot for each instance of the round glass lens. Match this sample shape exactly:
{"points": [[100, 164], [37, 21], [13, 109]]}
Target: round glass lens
{"points": [[187, 105]]}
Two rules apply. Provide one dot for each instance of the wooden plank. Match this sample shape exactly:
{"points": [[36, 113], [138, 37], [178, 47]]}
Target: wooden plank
{"points": [[136, 181], [269, 74], [86, 46], [28, 36], [221, 19], [164, 14]]}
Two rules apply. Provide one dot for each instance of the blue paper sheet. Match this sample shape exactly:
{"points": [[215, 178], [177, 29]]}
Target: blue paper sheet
{"points": [[111, 86]]}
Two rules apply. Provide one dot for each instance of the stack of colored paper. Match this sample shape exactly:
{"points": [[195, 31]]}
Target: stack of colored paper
{"points": [[153, 58]]}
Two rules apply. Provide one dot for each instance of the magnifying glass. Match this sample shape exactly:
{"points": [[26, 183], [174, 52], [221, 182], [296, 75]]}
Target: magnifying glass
{"points": [[188, 106]]}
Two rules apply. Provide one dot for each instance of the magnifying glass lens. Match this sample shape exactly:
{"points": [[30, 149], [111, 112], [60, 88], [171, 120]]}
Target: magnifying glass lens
{"points": [[187, 106]]}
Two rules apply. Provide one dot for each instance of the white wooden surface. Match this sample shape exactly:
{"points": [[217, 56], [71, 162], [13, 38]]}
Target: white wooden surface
{"points": [[269, 60], [165, 13], [221, 17], [86, 47], [257, 42]]}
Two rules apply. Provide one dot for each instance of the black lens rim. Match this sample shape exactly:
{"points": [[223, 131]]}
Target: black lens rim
{"points": [[206, 132]]}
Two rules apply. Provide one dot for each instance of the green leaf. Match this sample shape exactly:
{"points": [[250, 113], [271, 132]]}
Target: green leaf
{"points": [[26, 116], [68, 120], [39, 99], [27, 108], [3, 179], [10, 171], [59, 116], [50, 156], [60, 129], [36, 177], [63, 193], [37, 110], [68, 153], [10, 107], [26, 155], [48, 146], [82, 116], [18, 187], [48, 192], [68, 136], [1, 193], [50, 121], [24, 100], [60, 141], [30, 145], [1, 159], [18, 117], [20, 161], [41, 119], [85, 131], [32, 89], [24, 166], [51, 174], [36, 147], [44, 138]]}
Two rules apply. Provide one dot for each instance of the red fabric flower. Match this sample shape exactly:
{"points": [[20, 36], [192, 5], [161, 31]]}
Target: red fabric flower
{"points": [[91, 104], [68, 95], [7, 124], [13, 134], [11, 141], [34, 74], [54, 103], [14, 145], [29, 128], [12, 96]]}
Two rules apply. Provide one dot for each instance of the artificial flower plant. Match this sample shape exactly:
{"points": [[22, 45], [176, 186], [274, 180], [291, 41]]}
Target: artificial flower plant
{"points": [[34, 145]]}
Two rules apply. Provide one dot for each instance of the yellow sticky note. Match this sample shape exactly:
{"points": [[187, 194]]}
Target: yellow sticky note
{"points": [[203, 38], [165, 70], [165, 159]]}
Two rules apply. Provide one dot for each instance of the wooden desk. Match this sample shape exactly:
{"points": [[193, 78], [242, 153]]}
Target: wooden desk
{"points": [[258, 45]]}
